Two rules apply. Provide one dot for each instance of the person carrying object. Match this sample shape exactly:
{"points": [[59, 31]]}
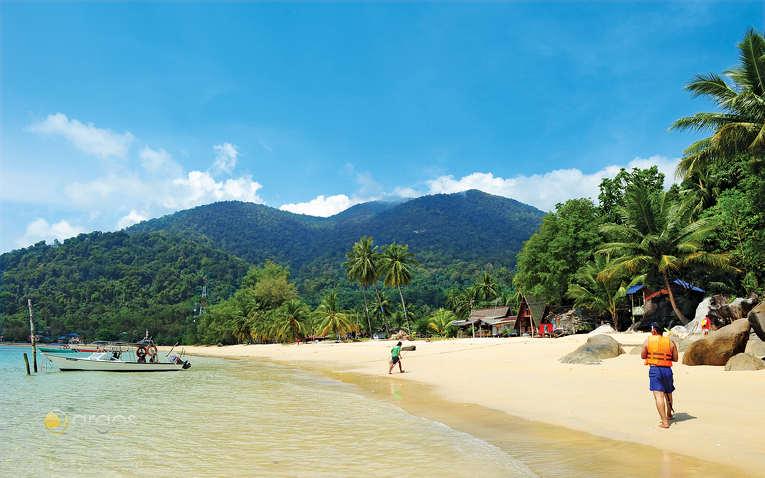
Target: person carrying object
{"points": [[659, 352]]}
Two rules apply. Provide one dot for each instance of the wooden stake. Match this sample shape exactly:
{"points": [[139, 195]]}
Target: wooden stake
{"points": [[26, 361], [32, 329]]}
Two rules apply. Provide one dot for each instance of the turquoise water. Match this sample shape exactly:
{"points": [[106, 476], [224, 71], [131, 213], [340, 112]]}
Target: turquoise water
{"points": [[220, 418]]}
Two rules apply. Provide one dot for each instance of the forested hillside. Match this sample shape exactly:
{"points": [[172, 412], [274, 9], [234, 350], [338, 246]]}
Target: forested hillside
{"points": [[150, 275], [100, 285], [454, 236]]}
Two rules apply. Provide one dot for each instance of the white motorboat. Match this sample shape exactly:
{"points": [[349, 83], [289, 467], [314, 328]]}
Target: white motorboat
{"points": [[146, 360]]}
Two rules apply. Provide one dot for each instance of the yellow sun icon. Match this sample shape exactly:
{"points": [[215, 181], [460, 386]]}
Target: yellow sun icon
{"points": [[56, 422]]}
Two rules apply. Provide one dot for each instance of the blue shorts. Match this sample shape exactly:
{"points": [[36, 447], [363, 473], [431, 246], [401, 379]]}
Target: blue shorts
{"points": [[395, 360], [655, 374]]}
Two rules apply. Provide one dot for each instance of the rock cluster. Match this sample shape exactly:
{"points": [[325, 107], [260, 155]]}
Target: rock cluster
{"points": [[718, 347]]}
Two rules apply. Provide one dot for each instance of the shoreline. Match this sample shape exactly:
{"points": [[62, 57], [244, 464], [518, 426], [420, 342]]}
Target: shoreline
{"points": [[522, 378]]}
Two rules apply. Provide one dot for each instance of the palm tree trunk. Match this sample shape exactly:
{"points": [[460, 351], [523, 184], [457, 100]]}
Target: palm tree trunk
{"points": [[366, 308], [404, 306], [382, 313], [672, 300]]}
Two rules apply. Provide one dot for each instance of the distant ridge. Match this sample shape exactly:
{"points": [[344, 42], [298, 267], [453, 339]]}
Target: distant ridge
{"points": [[470, 225]]}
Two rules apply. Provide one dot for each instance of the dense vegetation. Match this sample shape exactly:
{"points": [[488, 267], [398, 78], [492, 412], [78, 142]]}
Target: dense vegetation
{"points": [[149, 277], [113, 286], [709, 230]]}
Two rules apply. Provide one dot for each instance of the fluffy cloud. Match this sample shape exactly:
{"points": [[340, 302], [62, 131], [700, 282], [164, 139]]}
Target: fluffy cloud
{"points": [[321, 206], [201, 188], [40, 229], [86, 138], [158, 161], [130, 219], [540, 190], [225, 158]]}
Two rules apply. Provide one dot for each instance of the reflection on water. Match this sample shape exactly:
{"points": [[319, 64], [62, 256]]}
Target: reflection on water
{"points": [[222, 418]]}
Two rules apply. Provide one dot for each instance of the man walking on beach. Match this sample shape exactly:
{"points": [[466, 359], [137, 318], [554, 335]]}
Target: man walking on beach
{"points": [[395, 358], [659, 352]]}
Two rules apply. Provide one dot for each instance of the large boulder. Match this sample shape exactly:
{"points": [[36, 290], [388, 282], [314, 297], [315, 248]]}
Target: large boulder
{"points": [[596, 348], [719, 346], [744, 362], [685, 342], [755, 346], [729, 313], [757, 320]]}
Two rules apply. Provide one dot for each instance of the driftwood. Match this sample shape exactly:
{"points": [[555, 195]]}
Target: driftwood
{"points": [[409, 348]]}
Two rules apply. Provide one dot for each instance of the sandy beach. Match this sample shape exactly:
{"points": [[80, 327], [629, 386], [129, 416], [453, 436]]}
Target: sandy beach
{"points": [[718, 414]]}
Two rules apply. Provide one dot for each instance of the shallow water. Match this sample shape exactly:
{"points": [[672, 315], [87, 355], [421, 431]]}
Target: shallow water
{"points": [[221, 418]]}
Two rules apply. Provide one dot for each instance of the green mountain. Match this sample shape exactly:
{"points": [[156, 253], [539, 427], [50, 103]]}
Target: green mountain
{"points": [[149, 276], [443, 229]]}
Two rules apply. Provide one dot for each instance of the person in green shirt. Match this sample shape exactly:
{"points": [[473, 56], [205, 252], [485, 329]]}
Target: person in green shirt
{"points": [[395, 358]]}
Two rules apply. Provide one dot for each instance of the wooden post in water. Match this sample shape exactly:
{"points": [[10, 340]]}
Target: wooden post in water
{"points": [[32, 329], [26, 361]]}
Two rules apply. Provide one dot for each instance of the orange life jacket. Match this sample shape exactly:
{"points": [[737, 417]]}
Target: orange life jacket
{"points": [[659, 351]]}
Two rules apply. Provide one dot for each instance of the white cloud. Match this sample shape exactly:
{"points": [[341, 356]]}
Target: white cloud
{"points": [[225, 157], [156, 161], [266, 147], [130, 219], [321, 206], [40, 229], [86, 138], [201, 188], [540, 190]]}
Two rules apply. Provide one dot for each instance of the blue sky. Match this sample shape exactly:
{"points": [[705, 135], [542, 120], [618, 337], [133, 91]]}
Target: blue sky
{"points": [[114, 112]]}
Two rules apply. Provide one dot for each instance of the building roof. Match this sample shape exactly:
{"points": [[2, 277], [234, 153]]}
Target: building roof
{"points": [[490, 313], [537, 308]]}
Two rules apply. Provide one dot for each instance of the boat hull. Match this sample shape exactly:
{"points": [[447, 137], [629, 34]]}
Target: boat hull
{"points": [[67, 364]]}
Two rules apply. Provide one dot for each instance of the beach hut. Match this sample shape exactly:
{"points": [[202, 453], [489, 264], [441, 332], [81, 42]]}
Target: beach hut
{"points": [[530, 314], [488, 322]]}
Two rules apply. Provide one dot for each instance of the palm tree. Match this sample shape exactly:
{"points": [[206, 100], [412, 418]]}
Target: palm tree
{"points": [[461, 301], [486, 287], [330, 317], [740, 127], [657, 238], [360, 267], [396, 265], [441, 320], [291, 321], [599, 295], [382, 309]]}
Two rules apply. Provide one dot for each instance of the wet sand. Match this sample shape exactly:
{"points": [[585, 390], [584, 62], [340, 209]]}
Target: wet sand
{"points": [[502, 389]]}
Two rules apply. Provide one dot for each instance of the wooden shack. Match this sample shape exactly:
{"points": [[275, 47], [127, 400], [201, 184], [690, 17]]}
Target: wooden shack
{"points": [[530, 314]]}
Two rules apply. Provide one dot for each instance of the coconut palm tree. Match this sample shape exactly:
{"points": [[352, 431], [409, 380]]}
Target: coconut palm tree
{"points": [[291, 321], [487, 289], [396, 266], [600, 295], [461, 301], [441, 320], [361, 268], [382, 309], [658, 237], [330, 317], [740, 126]]}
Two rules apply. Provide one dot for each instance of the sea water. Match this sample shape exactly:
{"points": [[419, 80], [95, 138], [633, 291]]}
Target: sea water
{"points": [[221, 418]]}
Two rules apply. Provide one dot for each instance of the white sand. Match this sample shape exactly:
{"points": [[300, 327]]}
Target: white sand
{"points": [[720, 415]]}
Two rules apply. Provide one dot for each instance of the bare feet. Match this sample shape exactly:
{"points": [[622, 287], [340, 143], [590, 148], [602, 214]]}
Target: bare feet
{"points": [[662, 425], [670, 417]]}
